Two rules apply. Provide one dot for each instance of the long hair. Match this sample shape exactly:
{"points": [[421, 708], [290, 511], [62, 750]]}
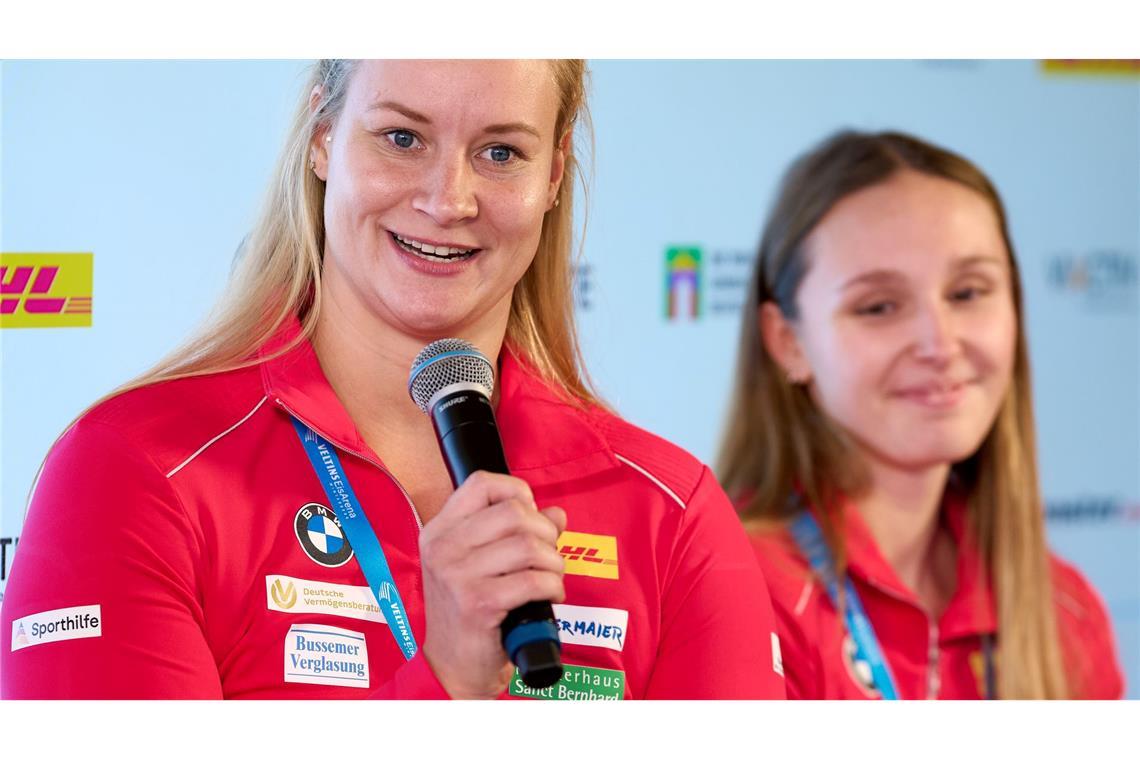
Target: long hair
{"points": [[778, 440], [278, 273]]}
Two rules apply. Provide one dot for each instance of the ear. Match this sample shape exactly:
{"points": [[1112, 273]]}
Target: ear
{"points": [[318, 146], [782, 343], [557, 169]]}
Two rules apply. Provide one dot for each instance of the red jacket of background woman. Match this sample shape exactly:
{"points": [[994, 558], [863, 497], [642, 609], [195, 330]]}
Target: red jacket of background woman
{"points": [[930, 659]]}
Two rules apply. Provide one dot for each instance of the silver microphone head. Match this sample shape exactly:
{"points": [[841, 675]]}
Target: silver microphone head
{"points": [[445, 363]]}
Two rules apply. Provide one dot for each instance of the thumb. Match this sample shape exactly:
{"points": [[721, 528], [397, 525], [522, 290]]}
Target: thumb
{"points": [[556, 515]]}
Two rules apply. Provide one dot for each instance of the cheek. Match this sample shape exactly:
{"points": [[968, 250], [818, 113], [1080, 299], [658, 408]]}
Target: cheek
{"points": [[516, 211], [515, 217], [847, 358], [993, 335], [851, 365], [362, 192]]}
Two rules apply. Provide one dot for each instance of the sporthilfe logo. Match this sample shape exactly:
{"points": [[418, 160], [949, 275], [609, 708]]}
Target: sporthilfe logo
{"points": [[46, 289], [84, 622]]}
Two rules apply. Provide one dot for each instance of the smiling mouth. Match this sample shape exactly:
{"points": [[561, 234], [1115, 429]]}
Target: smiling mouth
{"points": [[437, 253], [937, 394]]}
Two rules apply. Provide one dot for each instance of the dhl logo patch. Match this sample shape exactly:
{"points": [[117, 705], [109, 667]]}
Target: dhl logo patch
{"points": [[46, 289], [589, 554]]}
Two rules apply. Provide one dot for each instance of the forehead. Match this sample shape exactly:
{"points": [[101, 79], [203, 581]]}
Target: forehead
{"points": [[912, 221], [496, 91]]}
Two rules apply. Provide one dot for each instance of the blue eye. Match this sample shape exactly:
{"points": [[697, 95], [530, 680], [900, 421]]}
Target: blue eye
{"points": [[500, 154], [402, 138]]}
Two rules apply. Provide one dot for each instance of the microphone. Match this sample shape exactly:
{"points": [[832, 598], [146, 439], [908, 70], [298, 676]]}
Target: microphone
{"points": [[452, 382]]}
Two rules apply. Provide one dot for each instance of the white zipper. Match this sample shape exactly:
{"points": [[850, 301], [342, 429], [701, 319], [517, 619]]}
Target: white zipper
{"points": [[933, 678], [373, 462]]}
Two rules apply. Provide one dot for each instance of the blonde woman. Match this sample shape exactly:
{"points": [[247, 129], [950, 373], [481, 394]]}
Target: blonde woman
{"points": [[881, 441], [180, 543]]}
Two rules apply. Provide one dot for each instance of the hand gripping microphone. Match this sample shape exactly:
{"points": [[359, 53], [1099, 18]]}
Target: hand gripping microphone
{"points": [[452, 383]]}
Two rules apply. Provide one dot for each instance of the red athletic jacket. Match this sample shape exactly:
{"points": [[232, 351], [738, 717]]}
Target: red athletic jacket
{"points": [[929, 658], [179, 545]]}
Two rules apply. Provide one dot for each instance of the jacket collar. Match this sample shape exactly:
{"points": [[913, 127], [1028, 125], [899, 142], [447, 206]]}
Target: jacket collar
{"points": [[971, 610], [546, 439]]}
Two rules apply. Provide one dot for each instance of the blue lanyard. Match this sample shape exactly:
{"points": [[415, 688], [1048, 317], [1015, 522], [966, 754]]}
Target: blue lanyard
{"points": [[805, 530], [360, 535]]}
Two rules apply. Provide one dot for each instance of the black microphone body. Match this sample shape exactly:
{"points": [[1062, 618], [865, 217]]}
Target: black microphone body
{"points": [[464, 423]]}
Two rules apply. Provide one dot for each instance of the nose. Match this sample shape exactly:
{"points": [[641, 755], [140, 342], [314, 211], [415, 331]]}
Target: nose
{"points": [[936, 337], [448, 192]]}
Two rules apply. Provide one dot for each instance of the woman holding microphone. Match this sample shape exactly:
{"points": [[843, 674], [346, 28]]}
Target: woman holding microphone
{"points": [[180, 543], [881, 443]]}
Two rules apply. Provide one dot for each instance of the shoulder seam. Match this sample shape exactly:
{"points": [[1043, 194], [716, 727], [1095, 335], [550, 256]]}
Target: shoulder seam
{"points": [[216, 438], [658, 483]]}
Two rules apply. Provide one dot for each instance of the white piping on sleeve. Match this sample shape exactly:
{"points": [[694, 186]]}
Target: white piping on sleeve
{"points": [[804, 596], [660, 485], [216, 438]]}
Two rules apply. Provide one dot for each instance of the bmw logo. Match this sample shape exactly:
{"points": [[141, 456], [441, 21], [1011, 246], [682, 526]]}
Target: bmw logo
{"points": [[321, 535]]}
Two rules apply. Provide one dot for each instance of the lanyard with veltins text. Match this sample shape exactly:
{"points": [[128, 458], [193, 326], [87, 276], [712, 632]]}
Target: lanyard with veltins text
{"points": [[805, 530], [361, 537]]}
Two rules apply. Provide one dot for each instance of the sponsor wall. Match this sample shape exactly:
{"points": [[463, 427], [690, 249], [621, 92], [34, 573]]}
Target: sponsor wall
{"points": [[127, 187]]}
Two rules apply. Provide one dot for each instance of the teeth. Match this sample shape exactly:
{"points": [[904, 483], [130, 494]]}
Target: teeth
{"points": [[438, 251]]}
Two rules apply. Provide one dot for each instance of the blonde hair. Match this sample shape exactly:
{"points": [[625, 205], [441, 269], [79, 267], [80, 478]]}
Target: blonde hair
{"points": [[278, 272], [778, 440]]}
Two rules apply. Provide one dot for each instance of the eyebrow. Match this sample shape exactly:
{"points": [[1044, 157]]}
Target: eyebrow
{"points": [[884, 276], [399, 108], [874, 276], [494, 129], [966, 261]]}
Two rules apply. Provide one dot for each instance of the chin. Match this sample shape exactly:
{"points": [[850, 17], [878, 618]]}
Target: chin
{"points": [[429, 316], [921, 454], [432, 326]]}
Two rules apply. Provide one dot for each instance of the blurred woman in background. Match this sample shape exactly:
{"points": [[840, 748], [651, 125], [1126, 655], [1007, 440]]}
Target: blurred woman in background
{"points": [[881, 443]]}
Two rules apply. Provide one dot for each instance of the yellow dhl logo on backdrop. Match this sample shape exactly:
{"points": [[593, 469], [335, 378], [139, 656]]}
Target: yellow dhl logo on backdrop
{"points": [[46, 289], [1113, 67], [589, 554]]}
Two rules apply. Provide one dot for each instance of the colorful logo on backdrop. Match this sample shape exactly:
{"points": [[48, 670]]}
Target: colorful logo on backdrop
{"points": [[1106, 67], [1091, 510], [1103, 280], [683, 282], [321, 535], [584, 286], [46, 289], [701, 281]]}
